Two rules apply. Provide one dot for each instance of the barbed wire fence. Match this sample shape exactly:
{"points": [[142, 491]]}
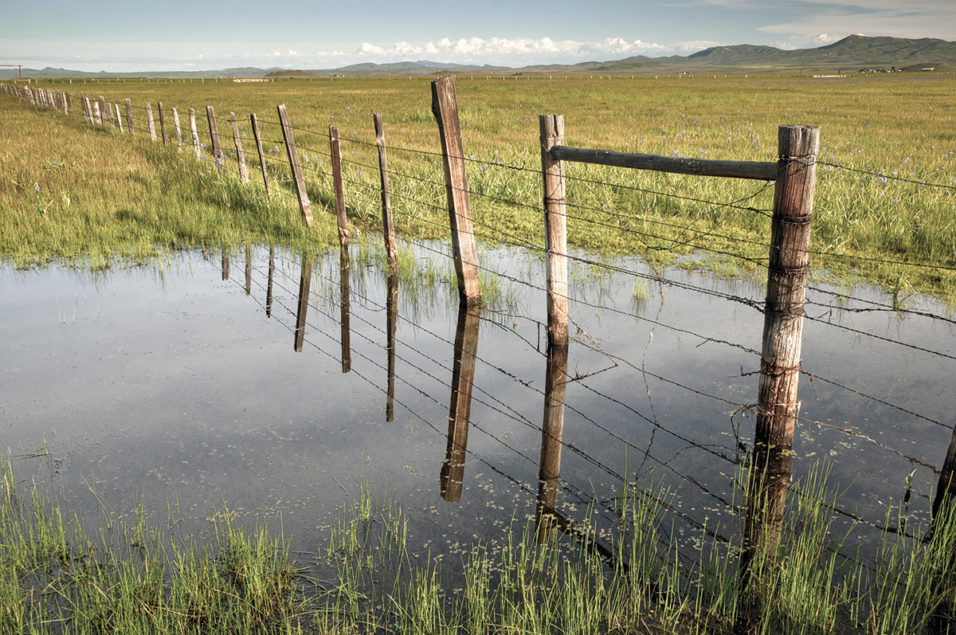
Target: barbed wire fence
{"points": [[416, 189]]}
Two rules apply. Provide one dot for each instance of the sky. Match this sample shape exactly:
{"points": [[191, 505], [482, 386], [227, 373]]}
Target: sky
{"points": [[131, 35]]}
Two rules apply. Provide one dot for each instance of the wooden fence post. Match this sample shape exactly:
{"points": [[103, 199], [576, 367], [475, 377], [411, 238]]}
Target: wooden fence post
{"points": [[67, 103], [149, 122], [195, 133], [179, 130], [109, 116], [340, 216], [87, 112], [777, 407], [304, 204], [129, 115], [101, 102], [162, 123], [214, 137], [262, 157], [97, 115], [388, 226], [240, 157], [445, 109], [119, 118], [556, 229]]}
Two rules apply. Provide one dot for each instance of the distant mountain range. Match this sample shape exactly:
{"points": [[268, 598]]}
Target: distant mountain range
{"points": [[851, 54]]}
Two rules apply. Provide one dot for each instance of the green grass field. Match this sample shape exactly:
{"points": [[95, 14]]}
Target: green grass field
{"points": [[70, 190]]}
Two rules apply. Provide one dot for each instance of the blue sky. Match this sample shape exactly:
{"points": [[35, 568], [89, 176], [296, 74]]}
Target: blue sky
{"points": [[130, 35]]}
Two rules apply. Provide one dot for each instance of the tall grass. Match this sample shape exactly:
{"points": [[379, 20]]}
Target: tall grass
{"points": [[54, 577], [897, 125]]}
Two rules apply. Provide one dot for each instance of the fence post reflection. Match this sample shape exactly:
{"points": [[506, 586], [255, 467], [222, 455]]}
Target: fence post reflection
{"points": [[225, 262], [305, 282], [344, 274], [549, 471], [272, 270], [391, 312], [248, 269], [462, 378], [941, 539]]}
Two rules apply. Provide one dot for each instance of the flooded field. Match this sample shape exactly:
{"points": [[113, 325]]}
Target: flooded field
{"points": [[280, 389]]}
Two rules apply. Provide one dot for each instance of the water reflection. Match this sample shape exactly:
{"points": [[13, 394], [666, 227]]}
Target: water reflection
{"points": [[462, 378], [305, 281], [225, 263], [391, 313], [248, 269], [945, 488], [549, 471], [272, 271], [344, 273]]}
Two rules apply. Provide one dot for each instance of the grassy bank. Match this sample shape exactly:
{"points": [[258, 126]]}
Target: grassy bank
{"points": [[110, 193], [133, 578]]}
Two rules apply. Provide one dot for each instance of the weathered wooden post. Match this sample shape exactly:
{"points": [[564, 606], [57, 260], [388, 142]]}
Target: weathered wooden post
{"points": [[87, 111], [445, 109], [304, 204], [103, 112], [777, 407], [552, 433], [97, 115], [262, 157], [214, 137], [149, 122], [556, 229], [119, 118], [195, 133], [340, 215], [240, 157], [179, 130], [459, 410], [388, 226], [129, 115], [225, 263], [162, 124]]}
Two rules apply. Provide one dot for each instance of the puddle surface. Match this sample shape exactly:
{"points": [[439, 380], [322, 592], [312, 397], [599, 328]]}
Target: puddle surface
{"points": [[171, 386]]}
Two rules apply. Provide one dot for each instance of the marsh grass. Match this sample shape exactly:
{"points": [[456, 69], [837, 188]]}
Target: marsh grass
{"points": [[55, 577], [115, 195]]}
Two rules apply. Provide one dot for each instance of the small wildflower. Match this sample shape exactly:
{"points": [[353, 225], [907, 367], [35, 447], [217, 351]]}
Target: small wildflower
{"points": [[36, 187]]}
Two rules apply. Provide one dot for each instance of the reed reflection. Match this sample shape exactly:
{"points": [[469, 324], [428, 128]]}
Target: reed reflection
{"points": [[547, 517], [305, 281], [459, 411], [391, 312], [344, 275]]}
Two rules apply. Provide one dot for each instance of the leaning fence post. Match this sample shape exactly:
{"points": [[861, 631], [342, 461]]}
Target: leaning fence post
{"points": [[341, 218], [179, 130], [97, 115], [240, 157], [194, 132], [777, 405], [162, 123], [214, 136], [129, 115], [87, 111], [119, 119], [556, 229], [103, 112], [388, 226], [149, 122], [262, 157], [304, 204], [445, 109]]}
